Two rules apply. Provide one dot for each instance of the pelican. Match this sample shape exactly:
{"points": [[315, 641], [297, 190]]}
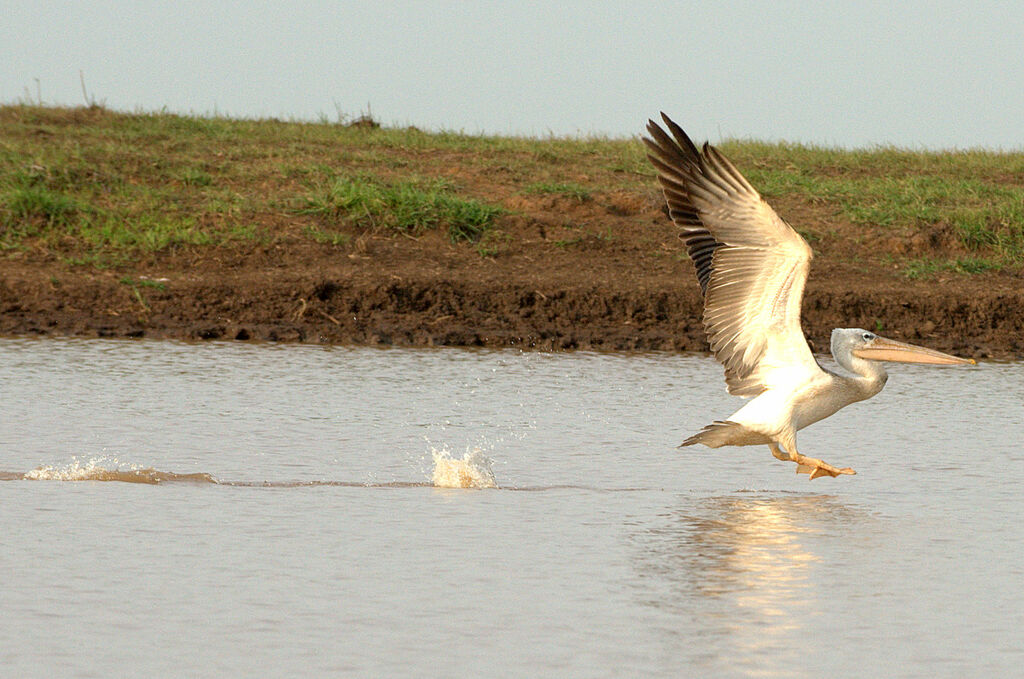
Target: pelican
{"points": [[752, 266]]}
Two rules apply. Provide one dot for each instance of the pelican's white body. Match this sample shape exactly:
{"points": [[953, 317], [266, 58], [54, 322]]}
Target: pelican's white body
{"points": [[792, 404]]}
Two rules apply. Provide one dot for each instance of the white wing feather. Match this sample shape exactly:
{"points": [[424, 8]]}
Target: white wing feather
{"points": [[757, 273]]}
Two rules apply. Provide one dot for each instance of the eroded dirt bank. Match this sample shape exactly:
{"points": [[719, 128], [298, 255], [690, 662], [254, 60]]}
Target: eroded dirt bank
{"points": [[573, 306]]}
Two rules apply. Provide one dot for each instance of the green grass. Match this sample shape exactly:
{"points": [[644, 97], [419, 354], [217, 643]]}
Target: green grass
{"points": [[409, 207], [27, 209], [194, 177], [101, 188], [327, 236], [978, 194], [493, 243], [147, 233], [926, 268], [144, 283]]}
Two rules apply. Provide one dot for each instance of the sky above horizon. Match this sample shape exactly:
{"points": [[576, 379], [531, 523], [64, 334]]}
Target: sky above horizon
{"points": [[935, 75]]}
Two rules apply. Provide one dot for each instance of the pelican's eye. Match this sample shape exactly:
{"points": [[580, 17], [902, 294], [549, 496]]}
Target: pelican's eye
{"points": [[868, 336]]}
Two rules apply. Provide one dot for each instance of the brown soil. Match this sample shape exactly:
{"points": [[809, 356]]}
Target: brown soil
{"points": [[607, 273]]}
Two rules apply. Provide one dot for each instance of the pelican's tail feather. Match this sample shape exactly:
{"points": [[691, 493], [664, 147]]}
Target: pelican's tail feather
{"points": [[725, 433]]}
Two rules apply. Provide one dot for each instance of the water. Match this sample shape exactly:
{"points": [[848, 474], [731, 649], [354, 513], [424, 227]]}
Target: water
{"points": [[288, 524]]}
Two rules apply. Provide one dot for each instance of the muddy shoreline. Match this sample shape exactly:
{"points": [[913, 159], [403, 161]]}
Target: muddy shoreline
{"points": [[977, 318]]}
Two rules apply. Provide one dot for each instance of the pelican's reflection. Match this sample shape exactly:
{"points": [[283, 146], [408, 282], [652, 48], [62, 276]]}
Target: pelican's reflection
{"points": [[741, 569]]}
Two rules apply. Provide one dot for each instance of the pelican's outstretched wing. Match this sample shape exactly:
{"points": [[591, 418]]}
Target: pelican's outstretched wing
{"points": [[752, 266], [669, 156]]}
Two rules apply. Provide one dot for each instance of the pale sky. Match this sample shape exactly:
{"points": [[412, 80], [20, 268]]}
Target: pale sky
{"points": [[944, 74]]}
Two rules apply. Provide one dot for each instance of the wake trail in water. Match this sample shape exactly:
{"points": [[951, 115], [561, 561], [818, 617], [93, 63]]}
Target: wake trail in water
{"points": [[471, 471]]}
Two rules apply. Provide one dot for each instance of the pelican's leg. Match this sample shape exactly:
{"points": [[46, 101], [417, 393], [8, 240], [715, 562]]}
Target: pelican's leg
{"points": [[779, 453], [808, 465]]}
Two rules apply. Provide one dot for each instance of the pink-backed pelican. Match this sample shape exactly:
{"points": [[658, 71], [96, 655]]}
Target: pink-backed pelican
{"points": [[752, 266]]}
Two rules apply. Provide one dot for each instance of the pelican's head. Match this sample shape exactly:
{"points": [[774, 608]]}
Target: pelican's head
{"points": [[860, 343]]}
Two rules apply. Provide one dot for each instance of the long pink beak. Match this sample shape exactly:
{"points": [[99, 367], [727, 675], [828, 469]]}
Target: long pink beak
{"points": [[882, 349]]}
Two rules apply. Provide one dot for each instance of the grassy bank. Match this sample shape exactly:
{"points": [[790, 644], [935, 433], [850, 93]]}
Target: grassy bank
{"points": [[973, 198], [91, 187]]}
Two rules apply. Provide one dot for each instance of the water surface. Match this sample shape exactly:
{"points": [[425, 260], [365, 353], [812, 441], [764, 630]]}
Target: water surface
{"points": [[294, 530]]}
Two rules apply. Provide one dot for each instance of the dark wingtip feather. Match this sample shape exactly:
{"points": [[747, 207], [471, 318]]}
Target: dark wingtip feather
{"points": [[682, 138], [680, 166]]}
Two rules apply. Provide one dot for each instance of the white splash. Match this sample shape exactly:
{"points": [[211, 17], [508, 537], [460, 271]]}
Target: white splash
{"points": [[473, 470], [107, 468], [76, 470]]}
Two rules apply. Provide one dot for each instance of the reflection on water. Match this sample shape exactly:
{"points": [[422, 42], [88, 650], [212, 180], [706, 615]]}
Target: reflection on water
{"points": [[748, 564]]}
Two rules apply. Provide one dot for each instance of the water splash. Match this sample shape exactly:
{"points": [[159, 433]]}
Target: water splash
{"points": [[473, 470], [110, 469]]}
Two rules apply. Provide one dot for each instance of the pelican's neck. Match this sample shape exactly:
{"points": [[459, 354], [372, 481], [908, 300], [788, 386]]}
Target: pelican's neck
{"points": [[869, 376]]}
